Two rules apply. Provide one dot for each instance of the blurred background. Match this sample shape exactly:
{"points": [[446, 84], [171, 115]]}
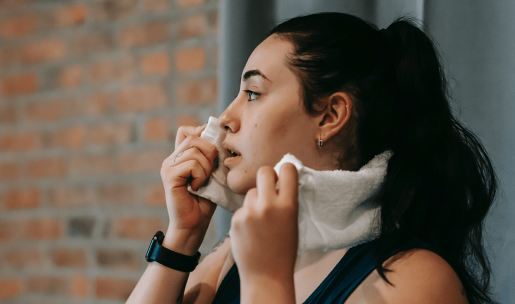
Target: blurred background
{"points": [[92, 93]]}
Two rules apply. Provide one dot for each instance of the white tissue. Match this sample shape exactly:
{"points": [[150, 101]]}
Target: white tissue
{"points": [[337, 208], [217, 190]]}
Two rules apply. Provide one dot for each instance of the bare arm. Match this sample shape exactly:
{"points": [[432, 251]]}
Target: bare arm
{"points": [[190, 164], [160, 284]]}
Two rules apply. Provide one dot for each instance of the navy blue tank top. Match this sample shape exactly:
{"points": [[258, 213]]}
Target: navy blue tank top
{"points": [[356, 264]]}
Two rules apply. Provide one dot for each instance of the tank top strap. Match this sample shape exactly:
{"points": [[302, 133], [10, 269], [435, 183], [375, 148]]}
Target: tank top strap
{"points": [[353, 268]]}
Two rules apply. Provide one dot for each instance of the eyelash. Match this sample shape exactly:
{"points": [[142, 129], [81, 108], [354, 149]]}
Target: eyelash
{"points": [[249, 92]]}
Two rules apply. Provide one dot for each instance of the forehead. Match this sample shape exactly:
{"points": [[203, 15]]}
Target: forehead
{"points": [[269, 58]]}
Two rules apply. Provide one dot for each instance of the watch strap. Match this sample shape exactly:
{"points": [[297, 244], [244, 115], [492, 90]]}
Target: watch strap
{"points": [[171, 259]]}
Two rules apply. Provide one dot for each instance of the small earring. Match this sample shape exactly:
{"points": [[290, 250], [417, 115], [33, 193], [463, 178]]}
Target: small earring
{"points": [[320, 142]]}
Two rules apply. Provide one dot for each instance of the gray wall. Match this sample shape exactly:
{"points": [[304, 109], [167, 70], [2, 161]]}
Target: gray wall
{"points": [[477, 43]]}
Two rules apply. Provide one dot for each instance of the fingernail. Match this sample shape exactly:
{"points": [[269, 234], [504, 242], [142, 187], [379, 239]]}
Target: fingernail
{"points": [[207, 182], [215, 163]]}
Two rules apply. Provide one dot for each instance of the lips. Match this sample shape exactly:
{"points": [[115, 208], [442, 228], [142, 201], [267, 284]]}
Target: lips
{"points": [[231, 150]]}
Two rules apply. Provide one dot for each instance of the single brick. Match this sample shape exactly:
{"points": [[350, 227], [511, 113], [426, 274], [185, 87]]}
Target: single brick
{"points": [[109, 134], [113, 9], [193, 26], [156, 129], [190, 59], [80, 286], [66, 257], [49, 285], [8, 114], [9, 171], [22, 199], [42, 229], [89, 43], [68, 137], [156, 63], [70, 76], [145, 34], [81, 227], [96, 104], [68, 196], [138, 228], [118, 194], [156, 5], [10, 288], [155, 195], [197, 91], [93, 164], [23, 258], [188, 3], [67, 16], [47, 167], [185, 120], [141, 98], [119, 69], [121, 258], [114, 288], [147, 161], [18, 26], [26, 141], [44, 110], [20, 84], [50, 49]]}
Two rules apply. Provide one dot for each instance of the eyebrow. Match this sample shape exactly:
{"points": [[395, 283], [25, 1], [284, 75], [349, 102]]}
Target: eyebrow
{"points": [[251, 73]]}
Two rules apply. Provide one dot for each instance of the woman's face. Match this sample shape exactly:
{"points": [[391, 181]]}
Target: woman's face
{"points": [[267, 119]]}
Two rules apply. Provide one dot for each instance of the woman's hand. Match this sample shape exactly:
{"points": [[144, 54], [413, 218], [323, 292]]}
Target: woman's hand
{"points": [[192, 162], [264, 236]]}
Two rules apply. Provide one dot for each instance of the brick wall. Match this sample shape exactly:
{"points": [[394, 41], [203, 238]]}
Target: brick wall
{"points": [[91, 95]]}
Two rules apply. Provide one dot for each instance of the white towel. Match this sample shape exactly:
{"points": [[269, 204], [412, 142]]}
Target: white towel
{"points": [[337, 208], [216, 189]]}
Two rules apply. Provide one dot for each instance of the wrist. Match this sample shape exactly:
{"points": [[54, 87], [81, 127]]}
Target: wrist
{"points": [[183, 241]]}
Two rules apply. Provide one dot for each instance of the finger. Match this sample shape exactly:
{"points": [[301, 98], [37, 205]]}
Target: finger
{"points": [[182, 133], [288, 183], [193, 153], [204, 146], [250, 198], [265, 183], [200, 129], [189, 172]]}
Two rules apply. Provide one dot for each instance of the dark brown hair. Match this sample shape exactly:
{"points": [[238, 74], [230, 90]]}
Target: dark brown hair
{"points": [[440, 182]]}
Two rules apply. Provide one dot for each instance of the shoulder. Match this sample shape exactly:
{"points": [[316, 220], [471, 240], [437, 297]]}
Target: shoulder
{"points": [[417, 276]]}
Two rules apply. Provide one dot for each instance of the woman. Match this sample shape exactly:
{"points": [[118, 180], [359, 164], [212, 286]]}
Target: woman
{"points": [[335, 79]]}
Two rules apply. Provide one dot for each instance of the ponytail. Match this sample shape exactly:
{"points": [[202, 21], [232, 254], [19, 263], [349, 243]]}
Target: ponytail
{"points": [[440, 183]]}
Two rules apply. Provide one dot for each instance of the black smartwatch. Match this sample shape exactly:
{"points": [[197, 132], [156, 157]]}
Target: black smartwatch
{"points": [[164, 256]]}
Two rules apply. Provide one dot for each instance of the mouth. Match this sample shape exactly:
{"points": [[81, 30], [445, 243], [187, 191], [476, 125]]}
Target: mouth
{"points": [[231, 150], [232, 153]]}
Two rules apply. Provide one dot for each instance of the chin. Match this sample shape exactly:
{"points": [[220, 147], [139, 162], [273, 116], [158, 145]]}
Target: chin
{"points": [[239, 184]]}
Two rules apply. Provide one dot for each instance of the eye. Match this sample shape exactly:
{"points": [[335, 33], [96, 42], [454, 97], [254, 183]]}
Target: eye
{"points": [[252, 94]]}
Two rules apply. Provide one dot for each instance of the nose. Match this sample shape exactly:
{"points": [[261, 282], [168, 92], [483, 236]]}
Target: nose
{"points": [[229, 120]]}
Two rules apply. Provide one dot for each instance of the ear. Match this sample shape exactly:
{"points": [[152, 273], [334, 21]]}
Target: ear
{"points": [[337, 113]]}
